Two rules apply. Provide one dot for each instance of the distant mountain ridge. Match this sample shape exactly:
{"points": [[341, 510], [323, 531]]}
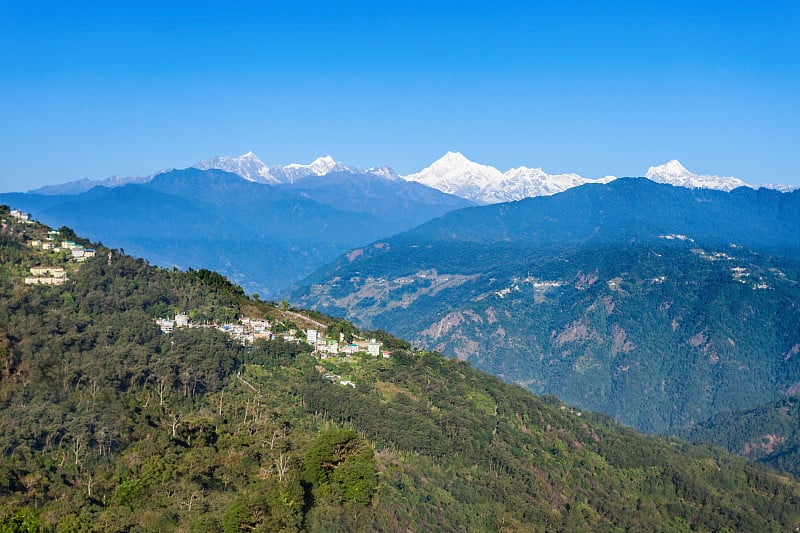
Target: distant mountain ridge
{"points": [[86, 184], [453, 173], [251, 168], [263, 236]]}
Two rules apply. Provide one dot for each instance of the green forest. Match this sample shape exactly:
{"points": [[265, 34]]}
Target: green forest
{"points": [[769, 434], [660, 335], [110, 425]]}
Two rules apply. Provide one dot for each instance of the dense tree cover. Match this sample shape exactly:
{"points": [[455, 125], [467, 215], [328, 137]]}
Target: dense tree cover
{"points": [[660, 335], [108, 425], [769, 434]]}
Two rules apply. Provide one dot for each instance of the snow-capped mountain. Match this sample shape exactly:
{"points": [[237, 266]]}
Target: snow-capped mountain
{"points": [[251, 168], [452, 173], [385, 171], [248, 166], [319, 167], [455, 174], [673, 173]]}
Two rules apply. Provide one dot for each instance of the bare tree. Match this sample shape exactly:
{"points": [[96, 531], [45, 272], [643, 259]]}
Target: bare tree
{"points": [[282, 466], [162, 388], [190, 501], [77, 447], [175, 424], [90, 482]]}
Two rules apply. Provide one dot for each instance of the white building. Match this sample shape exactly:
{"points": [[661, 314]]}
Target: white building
{"points": [[311, 336], [374, 348], [45, 281], [181, 321], [165, 324]]}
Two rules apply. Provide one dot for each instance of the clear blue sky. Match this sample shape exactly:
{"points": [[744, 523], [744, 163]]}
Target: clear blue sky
{"points": [[91, 89]]}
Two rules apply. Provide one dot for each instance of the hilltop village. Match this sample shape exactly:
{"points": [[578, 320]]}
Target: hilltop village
{"points": [[62, 251], [247, 330]]}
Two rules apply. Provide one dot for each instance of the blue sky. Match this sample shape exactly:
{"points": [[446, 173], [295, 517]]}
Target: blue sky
{"points": [[92, 89]]}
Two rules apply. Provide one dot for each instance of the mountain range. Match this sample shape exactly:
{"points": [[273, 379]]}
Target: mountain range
{"points": [[658, 305], [452, 173], [265, 237]]}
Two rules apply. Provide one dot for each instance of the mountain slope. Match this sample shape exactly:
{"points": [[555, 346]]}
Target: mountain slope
{"points": [[769, 433], [651, 303], [265, 237], [109, 424]]}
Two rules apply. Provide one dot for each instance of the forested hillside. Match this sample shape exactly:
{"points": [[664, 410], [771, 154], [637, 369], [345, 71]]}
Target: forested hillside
{"points": [[657, 305], [107, 424], [769, 433]]}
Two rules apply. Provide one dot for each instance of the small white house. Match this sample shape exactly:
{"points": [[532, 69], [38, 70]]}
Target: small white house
{"points": [[374, 348], [165, 324]]}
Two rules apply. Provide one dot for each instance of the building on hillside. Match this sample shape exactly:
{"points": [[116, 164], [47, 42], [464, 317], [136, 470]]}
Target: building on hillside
{"points": [[166, 325], [311, 336], [36, 243], [56, 272], [44, 280], [349, 349], [374, 348], [19, 215], [181, 321], [89, 252]]}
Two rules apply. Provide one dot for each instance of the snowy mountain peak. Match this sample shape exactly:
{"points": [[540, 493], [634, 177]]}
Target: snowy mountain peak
{"points": [[251, 168], [384, 171], [672, 169], [673, 173], [455, 174], [319, 167], [456, 157], [248, 166]]}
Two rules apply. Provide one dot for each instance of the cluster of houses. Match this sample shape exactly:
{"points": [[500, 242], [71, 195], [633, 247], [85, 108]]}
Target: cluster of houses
{"points": [[326, 346], [25, 218], [247, 330], [46, 276], [50, 275], [77, 251]]}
